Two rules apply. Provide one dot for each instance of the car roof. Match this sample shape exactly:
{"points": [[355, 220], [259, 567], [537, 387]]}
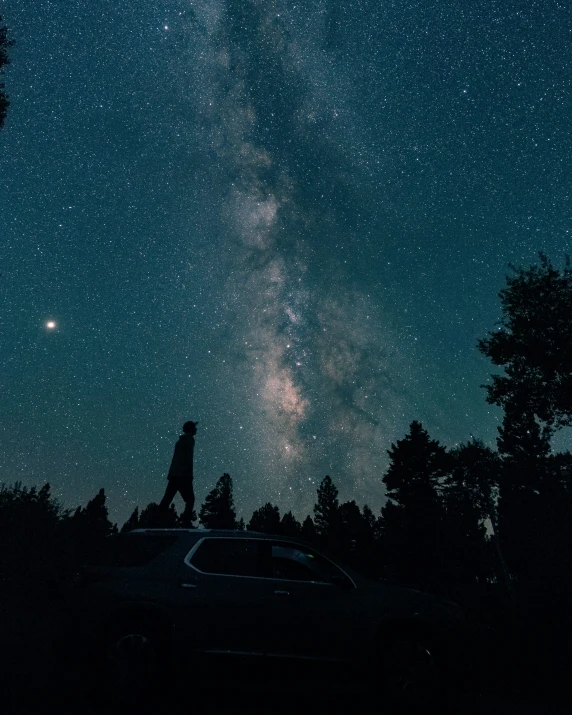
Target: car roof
{"points": [[220, 533], [199, 532]]}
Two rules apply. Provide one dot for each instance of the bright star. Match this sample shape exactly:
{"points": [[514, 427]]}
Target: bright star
{"points": [[51, 325]]}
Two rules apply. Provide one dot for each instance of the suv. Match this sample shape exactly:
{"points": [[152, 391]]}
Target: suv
{"points": [[168, 596]]}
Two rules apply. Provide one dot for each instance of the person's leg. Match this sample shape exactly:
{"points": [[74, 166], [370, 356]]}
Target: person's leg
{"points": [[170, 492], [188, 493]]}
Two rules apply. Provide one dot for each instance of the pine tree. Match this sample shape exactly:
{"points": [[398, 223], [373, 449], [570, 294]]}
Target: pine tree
{"points": [[352, 525], [86, 530], [94, 518], [153, 517], [132, 522], [326, 511], [356, 538], [412, 518], [469, 504], [308, 531], [266, 519], [218, 510], [289, 525], [30, 544]]}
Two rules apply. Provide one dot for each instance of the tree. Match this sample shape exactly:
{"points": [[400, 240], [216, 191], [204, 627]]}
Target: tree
{"points": [[522, 439], [154, 517], [326, 510], [94, 518], [356, 537], [308, 531], [412, 518], [289, 525], [476, 469], [469, 503], [534, 344], [132, 522], [354, 529], [85, 531], [218, 510], [5, 43], [29, 533], [266, 519]]}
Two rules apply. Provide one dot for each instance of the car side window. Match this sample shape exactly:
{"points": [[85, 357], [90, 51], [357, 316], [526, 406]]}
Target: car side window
{"points": [[287, 568], [228, 557], [132, 549], [296, 563]]}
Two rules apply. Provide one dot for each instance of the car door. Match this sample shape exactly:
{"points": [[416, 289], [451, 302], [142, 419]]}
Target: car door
{"points": [[223, 602], [315, 610]]}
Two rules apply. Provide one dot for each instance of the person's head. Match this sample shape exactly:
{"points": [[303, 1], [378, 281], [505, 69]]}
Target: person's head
{"points": [[190, 427]]}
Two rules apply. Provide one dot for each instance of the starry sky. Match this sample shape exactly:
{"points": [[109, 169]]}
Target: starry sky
{"points": [[287, 220]]}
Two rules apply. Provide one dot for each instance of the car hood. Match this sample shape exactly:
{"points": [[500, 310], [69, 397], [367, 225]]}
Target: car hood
{"points": [[399, 601]]}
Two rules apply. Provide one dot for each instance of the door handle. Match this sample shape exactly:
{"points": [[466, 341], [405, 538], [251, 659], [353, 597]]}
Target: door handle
{"points": [[281, 593], [185, 584]]}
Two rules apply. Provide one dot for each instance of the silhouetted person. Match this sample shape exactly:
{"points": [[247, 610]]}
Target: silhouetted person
{"points": [[180, 477]]}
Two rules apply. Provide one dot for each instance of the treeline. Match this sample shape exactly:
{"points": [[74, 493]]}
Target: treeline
{"points": [[470, 522]]}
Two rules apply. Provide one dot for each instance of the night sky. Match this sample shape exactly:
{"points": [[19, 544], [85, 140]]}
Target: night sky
{"points": [[287, 220]]}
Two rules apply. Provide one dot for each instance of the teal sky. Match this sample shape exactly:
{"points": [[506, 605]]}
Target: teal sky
{"points": [[289, 221]]}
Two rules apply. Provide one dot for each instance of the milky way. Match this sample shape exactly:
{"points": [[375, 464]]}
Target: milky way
{"points": [[312, 360], [289, 221]]}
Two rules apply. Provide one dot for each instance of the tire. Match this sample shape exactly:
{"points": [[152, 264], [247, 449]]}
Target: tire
{"points": [[409, 667], [132, 663]]}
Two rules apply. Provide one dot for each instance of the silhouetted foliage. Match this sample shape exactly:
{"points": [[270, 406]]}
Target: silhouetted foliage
{"points": [[413, 517], [132, 522], [289, 525], [87, 528], [5, 43], [218, 510], [534, 344], [327, 511], [265, 519], [523, 440], [477, 468], [356, 537], [469, 502], [352, 525], [557, 509], [29, 532], [153, 517], [308, 530]]}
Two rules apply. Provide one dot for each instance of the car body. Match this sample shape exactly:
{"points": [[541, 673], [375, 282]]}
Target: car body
{"points": [[241, 593]]}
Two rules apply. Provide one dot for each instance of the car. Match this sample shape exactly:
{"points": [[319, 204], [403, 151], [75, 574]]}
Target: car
{"points": [[176, 596]]}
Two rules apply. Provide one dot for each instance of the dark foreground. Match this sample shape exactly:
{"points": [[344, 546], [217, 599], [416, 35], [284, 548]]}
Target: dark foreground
{"points": [[257, 697], [524, 673]]}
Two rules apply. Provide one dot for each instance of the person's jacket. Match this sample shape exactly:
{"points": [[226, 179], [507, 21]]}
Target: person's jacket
{"points": [[182, 462]]}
